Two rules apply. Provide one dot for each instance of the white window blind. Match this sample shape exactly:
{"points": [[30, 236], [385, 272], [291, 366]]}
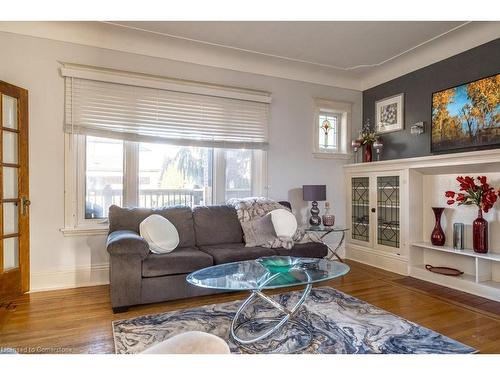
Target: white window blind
{"points": [[137, 113]]}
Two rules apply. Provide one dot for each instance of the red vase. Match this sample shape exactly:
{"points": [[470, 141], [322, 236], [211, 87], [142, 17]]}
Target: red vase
{"points": [[437, 235], [368, 153], [480, 234]]}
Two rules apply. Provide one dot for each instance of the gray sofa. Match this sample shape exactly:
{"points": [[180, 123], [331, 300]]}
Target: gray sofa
{"points": [[207, 236]]}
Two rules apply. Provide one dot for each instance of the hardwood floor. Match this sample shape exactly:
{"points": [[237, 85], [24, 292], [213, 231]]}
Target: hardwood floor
{"points": [[79, 320]]}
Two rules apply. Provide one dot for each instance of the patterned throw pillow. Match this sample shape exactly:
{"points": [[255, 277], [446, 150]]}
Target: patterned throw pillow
{"points": [[259, 231]]}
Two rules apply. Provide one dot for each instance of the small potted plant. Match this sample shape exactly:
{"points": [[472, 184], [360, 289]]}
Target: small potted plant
{"points": [[484, 197], [367, 137]]}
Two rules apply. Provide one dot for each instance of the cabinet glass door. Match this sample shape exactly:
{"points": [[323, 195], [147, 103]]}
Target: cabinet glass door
{"points": [[360, 202], [388, 233]]}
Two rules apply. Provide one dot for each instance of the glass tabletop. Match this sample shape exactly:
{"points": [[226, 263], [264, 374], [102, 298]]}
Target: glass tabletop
{"points": [[267, 273], [322, 228]]}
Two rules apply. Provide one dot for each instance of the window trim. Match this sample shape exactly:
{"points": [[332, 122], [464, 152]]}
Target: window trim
{"points": [[75, 223], [344, 112]]}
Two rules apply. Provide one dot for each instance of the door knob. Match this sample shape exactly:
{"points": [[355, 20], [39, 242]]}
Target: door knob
{"points": [[25, 203], [373, 210]]}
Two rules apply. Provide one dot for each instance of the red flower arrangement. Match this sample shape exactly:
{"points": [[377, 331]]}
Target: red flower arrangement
{"points": [[481, 194]]}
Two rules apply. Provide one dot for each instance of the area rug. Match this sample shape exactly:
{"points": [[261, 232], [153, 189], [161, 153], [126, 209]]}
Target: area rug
{"points": [[339, 323]]}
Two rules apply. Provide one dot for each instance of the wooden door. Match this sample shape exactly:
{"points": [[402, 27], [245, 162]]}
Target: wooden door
{"points": [[14, 201]]}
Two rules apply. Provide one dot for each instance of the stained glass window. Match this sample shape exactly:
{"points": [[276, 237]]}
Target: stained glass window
{"points": [[328, 132]]}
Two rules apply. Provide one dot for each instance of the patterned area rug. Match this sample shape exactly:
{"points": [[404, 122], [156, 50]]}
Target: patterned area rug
{"points": [[339, 323]]}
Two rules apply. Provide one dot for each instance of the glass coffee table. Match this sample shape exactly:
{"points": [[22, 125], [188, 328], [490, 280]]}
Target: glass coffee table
{"points": [[268, 273]]}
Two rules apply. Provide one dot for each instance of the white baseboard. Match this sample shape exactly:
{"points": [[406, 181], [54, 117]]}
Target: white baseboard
{"points": [[71, 278], [371, 257]]}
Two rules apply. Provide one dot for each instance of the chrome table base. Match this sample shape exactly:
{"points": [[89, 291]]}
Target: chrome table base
{"points": [[275, 323]]}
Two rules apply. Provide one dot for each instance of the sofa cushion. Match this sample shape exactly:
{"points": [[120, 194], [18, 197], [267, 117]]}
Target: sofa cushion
{"points": [[130, 219], [216, 225], [179, 261], [306, 250], [234, 252]]}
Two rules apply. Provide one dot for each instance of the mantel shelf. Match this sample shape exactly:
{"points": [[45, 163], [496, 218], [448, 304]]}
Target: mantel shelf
{"points": [[495, 257], [464, 162]]}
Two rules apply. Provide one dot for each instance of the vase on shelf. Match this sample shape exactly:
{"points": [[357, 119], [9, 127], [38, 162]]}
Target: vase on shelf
{"points": [[368, 153], [480, 234], [437, 235]]}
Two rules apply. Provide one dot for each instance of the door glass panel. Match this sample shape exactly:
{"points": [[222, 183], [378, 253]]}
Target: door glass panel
{"points": [[388, 211], [10, 218], [9, 112], [360, 208], [10, 253], [9, 182], [10, 147]]}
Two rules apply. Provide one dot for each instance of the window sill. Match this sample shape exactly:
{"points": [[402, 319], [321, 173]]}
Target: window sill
{"points": [[85, 231], [332, 155]]}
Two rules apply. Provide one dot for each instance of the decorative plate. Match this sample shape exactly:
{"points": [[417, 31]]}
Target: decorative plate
{"points": [[444, 270]]}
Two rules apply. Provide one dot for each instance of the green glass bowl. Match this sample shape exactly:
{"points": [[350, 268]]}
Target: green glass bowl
{"points": [[278, 264]]}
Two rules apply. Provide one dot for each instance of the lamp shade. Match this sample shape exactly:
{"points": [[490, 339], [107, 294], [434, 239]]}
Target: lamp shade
{"points": [[314, 192]]}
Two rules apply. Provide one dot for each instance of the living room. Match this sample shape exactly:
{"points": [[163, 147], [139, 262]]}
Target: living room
{"points": [[281, 185]]}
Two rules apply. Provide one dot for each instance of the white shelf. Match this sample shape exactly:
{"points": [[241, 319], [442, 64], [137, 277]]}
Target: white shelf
{"points": [[467, 283], [464, 277], [478, 279], [378, 205], [462, 163], [466, 252]]}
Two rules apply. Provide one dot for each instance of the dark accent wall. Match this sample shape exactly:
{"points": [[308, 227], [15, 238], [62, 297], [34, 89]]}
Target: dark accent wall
{"points": [[418, 86]]}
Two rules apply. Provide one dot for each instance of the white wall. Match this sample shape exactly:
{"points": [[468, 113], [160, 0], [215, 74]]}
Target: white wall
{"points": [[33, 63]]}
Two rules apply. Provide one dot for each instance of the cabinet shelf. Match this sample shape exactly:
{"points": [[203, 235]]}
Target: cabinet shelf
{"points": [[391, 226], [466, 252], [420, 268], [380, 188], [375, 210], [378, 206], [479, 278]]}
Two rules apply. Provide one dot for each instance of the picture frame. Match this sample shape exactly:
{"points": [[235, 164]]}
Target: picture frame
{"points": [[389, 114], [474, 128]]}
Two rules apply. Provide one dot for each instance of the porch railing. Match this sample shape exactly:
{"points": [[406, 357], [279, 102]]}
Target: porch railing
{"points": [[98, 201]]}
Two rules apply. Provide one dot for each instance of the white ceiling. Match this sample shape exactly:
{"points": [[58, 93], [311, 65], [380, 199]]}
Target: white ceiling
{"points": [[355, 55], [339, 45]]}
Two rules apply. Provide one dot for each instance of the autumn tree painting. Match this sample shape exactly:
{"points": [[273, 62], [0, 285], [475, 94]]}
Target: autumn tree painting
{"points": [[467, 116]]}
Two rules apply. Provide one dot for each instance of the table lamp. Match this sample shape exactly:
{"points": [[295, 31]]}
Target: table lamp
{"points": [[314, 193]]}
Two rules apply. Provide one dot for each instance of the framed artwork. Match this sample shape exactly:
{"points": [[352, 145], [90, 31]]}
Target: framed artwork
{"points": [[389, 114], [467, 116]]}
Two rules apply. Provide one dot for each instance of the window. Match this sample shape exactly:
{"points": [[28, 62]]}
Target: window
{"points": [[238, 173], [332, 129], [141, 174], [144, 141], [174, 175], [103, 176], [328, 131]]}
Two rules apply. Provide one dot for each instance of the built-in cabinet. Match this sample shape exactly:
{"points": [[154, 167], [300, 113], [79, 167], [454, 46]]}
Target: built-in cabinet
{"points": [[374, 212], [389, 214], [375, 205]]}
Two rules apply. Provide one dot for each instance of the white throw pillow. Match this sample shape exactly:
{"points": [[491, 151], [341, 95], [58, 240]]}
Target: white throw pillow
{"points": [[160, 234], [284, 222]]}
